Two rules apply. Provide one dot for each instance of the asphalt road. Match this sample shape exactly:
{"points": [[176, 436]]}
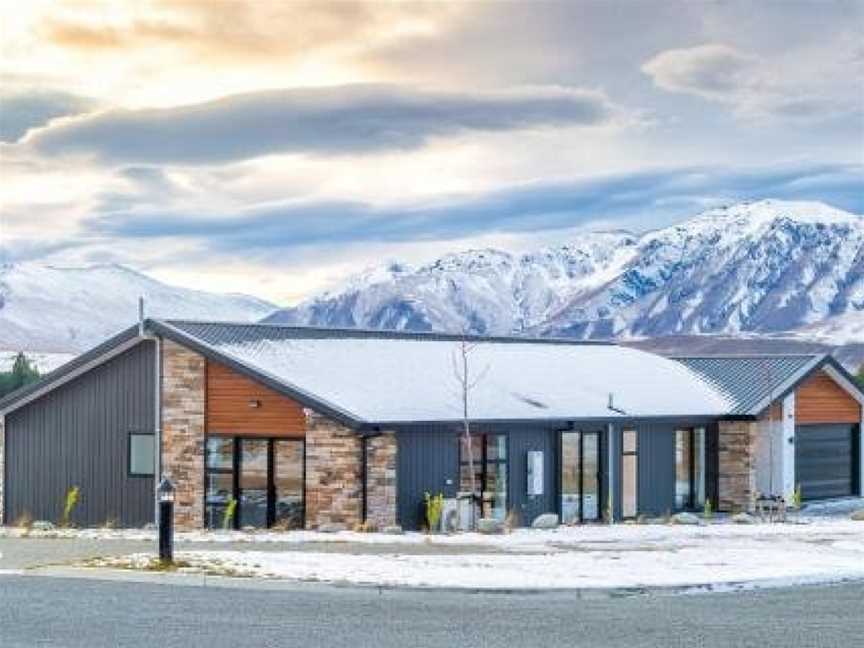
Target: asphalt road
{"points": [[42, 611]]}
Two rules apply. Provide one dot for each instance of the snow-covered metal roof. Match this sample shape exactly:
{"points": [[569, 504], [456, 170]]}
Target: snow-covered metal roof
{"points": [[383, 377]]}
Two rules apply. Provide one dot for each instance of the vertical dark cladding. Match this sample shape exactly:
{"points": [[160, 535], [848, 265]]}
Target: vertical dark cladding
{"points": [[78, 435]]}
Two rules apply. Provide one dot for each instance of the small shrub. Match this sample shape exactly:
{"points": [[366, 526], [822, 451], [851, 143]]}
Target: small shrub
{"points": [[708, 511], [110, 523], [795, 500], [228, 516], [609, 513], [434, 507], [24, 521], [73, 496], [366, 527], [513, 520]]}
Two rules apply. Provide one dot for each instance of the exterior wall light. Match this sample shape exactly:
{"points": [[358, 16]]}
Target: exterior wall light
{"points": [[254, 403]]}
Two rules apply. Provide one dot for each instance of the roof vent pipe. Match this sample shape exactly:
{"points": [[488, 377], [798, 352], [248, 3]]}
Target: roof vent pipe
{"points": [[611, 405], [141, 316]]}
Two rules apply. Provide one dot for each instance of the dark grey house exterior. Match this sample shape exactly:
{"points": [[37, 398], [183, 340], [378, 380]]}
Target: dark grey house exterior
{"points": [[308, 427]]}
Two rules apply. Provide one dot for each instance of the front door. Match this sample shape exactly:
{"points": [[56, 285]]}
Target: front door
{"points": [[580, 477]]}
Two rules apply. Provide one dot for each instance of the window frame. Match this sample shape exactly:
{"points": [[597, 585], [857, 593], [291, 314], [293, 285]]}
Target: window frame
{"points": [[635, 454], [484, 464], [129, 471]]}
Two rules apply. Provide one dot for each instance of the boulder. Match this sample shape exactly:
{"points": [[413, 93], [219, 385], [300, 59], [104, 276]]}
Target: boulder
{"points": [[331, 527], [685, 518], [743, 518], [42, 525], [490, 526], [545, 521], [858, 516]]}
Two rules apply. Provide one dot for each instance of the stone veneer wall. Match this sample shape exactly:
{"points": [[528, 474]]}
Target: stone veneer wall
{"points": [[737, 470], [381, 479], [334, 490], [2, 467], [184, 382]]}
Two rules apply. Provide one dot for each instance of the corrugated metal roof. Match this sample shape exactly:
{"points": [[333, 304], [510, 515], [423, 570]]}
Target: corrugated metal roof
{"points": [[751, 382], [394, 377]]}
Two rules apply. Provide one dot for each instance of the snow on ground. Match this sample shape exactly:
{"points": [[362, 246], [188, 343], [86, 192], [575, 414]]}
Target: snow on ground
{"points": [[717, 555]]}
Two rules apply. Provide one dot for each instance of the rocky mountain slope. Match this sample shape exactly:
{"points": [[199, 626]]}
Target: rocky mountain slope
{"points": [[759, 267], [66, 310]]}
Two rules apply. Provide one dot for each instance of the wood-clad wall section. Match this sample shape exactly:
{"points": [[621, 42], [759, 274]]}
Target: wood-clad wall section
{"points": [[821, 400], [229, 412]]}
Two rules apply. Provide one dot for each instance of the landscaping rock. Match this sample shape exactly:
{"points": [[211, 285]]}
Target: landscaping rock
{"points": [[743, 518], [685, 518], [545, 521], [332, 527], [43, 525], [150, 526], [490, 526], [392, 530], [858, 516]]}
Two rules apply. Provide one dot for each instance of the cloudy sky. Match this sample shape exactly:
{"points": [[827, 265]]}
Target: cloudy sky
{"points": [[273, 147]]}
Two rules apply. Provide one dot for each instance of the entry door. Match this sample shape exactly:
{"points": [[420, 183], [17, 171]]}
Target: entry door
{"points": [[580, 477]]}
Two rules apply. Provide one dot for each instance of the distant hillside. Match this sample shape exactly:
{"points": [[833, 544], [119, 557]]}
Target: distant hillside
{"points": [[66, 310]]}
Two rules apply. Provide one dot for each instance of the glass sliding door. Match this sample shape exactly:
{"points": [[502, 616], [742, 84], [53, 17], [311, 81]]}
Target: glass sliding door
{"points": [[629, 474], [580, 477], [264, 476], [288, 483]]}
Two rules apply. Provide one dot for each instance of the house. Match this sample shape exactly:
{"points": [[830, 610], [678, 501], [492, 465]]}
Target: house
{"points": [[306, 427]]}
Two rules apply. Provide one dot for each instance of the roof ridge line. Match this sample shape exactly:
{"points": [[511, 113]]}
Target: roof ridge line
{"points": [[393, 334]]}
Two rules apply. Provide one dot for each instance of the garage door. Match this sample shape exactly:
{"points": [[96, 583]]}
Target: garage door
{"points": [[824, 461]]}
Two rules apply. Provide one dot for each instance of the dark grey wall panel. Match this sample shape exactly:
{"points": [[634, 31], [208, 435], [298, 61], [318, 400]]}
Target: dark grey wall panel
{"points": [[656, 464], [522, 441], [78, 435], [427, 459]]}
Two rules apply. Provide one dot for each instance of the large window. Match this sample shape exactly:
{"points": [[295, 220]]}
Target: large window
{"points": [[490, 472], [629, 473], [142, 454], [263, 476], [689, 468]]}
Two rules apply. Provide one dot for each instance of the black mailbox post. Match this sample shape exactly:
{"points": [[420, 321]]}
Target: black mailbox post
{"points": [[166, 520]]}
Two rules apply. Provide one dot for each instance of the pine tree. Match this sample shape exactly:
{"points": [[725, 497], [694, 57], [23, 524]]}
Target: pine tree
{"points": [[860, 375], [23, 373]]}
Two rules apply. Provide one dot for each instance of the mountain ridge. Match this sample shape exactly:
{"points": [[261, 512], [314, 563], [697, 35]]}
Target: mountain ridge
{"points": [[764, 266]]}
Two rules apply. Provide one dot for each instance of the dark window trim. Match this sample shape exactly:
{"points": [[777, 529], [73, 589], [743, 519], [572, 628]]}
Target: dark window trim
{"points": [[600, 485], [629, 453], [484, 466], [137, 475], [236, 467]]}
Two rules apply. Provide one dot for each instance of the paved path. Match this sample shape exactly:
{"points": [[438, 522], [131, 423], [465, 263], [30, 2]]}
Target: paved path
{"points": [[41, 611], [23, 553]]}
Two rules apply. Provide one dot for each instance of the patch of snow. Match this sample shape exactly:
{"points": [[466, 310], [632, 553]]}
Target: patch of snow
{"points": [[717, 556]]}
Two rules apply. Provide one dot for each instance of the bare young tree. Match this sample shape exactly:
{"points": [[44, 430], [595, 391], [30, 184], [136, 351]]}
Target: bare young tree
{"points": [[467, 382]]}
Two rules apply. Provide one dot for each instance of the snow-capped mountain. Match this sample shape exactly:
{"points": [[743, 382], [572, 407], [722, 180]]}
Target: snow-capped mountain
{"points": [[765, 266], [53, 309], [482, 291]]}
